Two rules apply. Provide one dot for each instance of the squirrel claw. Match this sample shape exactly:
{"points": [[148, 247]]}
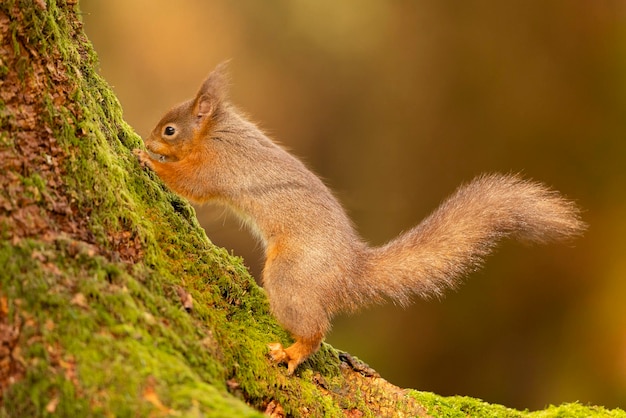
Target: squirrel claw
{"points": [[278, 355], [142, 157]]}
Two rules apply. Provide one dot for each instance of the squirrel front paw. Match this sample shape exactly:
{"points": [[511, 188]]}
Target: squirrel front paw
{"points": [[143, 157]]}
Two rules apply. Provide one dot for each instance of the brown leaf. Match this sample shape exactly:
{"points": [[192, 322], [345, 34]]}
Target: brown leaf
{"points": [[49, 325], [353, 413], [69, 366], [232, 384], [79, 300], [52, 405], [274, 410], [150, 395]]}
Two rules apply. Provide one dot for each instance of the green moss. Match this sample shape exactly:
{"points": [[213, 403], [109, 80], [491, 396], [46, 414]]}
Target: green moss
{"points": [[576, 410], [14, 42], [459, 406], [107, 344], [34, 187], [462, 406]]}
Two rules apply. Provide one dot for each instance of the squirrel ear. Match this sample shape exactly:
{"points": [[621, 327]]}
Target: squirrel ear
{"points": [[214, 90]]}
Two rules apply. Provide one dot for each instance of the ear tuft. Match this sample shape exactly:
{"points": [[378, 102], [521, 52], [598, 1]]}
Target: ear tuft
{"points": [[213, 91], [217, 82]]}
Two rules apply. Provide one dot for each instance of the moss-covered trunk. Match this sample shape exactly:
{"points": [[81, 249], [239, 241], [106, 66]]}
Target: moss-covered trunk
{"points": [[96, 254]]}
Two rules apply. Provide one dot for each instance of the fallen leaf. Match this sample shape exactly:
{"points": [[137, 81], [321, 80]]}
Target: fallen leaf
{"points": [[79, 300], [150, 395], [69, 367], [52, 405], [49, 325], [232, 384], [274, 410], [353, 413]]}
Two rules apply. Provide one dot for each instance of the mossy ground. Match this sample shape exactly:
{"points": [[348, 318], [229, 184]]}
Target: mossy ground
{"points": [[96, 249], [463, 406]]}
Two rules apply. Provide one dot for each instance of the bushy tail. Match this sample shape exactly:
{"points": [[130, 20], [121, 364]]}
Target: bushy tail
{"points": [[456, 238]]}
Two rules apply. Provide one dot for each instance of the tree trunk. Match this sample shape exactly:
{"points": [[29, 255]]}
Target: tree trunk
{"points": [[112, 300]]}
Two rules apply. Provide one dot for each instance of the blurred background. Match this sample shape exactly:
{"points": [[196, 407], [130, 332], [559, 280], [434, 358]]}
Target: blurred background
{"points": [[395, 104]]}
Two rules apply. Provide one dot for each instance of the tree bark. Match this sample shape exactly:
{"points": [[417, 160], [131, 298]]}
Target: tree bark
{"points": [[112, 299]]}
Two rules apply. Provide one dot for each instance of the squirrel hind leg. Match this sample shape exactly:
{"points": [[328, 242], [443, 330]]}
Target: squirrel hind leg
{"points": [[296, 353]]}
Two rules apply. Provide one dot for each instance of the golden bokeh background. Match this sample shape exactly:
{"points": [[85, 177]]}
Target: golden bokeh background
{"points": [[395, 103]]}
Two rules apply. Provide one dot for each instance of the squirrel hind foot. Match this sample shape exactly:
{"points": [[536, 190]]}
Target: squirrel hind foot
{"points": [[296, 353], [278, 355]]}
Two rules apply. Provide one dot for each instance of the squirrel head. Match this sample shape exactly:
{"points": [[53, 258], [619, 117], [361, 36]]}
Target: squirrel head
{"points": [[173, 137]]}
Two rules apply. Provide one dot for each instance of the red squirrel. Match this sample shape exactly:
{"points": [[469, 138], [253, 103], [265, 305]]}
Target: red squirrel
{"points": [[316, 265]]}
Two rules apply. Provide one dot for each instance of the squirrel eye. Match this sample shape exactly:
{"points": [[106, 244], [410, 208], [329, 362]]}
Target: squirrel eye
{"points": [[169, 130]]}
